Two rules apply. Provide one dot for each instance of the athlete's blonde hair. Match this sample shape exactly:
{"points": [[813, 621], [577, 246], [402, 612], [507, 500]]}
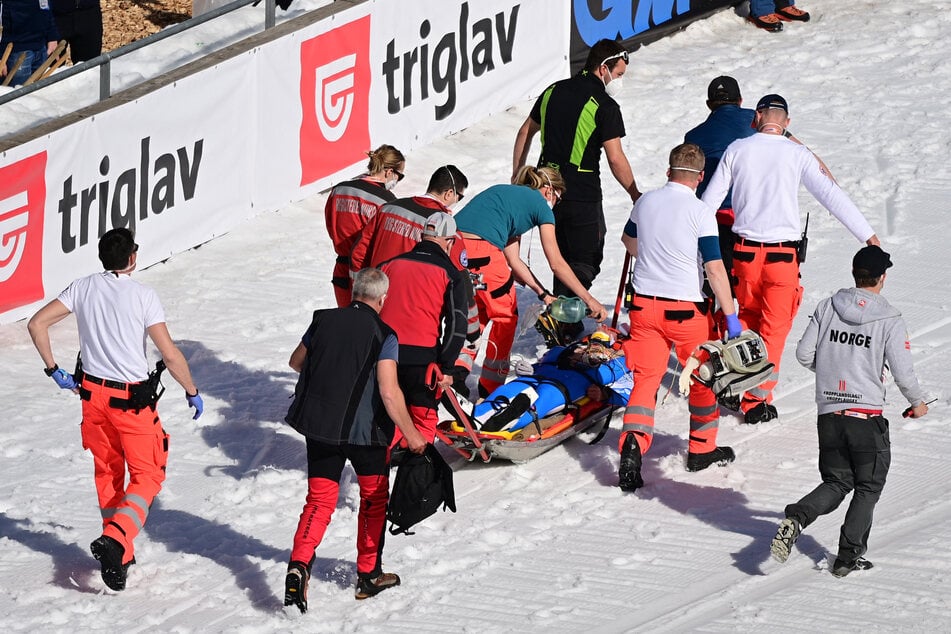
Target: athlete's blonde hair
{"points": [[383, 158], [538, 177]]}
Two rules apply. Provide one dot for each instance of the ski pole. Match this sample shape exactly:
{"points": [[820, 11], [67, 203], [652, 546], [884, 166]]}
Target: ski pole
{"points": [[908, 411], [620, 288]]}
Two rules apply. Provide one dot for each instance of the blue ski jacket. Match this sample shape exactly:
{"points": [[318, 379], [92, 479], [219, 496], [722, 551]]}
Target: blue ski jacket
{"points": [[725, 125], [27, 24]]}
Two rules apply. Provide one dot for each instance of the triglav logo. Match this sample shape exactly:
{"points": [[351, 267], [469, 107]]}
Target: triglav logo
{"points": [[335, 94], [22, 203], [13, 216]]}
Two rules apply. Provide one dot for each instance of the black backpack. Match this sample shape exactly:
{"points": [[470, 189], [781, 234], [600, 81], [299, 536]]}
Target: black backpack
{"points": [[423, 483]]}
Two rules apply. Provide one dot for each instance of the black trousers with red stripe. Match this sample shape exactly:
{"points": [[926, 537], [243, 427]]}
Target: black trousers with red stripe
{"points": [[325, 465]]}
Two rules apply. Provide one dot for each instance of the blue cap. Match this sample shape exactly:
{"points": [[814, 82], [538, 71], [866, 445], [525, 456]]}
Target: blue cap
{"points": [[773, 101]]}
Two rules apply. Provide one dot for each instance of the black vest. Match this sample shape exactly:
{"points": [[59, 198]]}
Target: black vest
{"points": [[337, 398]]}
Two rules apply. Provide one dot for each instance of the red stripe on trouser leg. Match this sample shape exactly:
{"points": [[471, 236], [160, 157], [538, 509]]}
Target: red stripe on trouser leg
{"points": [[502, 312], [342, 295], [425, 420], [769, 295], [647, 354], [374, 492], [318, 509], [123, 441]]}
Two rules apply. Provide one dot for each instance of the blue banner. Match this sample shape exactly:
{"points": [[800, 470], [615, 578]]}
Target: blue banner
{"points": [[634, 22]]}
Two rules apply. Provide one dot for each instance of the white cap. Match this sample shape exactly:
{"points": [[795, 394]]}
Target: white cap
{"points": [[439, 225]]}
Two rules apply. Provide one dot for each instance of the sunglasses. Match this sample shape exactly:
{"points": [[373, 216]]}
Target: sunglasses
{"points": [[399, 175], [135, 248], [622, 55]]}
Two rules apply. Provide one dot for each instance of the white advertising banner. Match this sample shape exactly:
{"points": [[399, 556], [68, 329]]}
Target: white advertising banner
{"points": [[406, 73], [272, 125], [440, 66], [314, 105], [173, 166]]}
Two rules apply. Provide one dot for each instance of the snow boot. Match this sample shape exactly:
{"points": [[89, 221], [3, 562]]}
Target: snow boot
{"points": [[295, 585], [786, 536], [841, 567], [770, 22], [792, 14], [719, 456], [108, 552], [511, 412], [762, 412], [629, 471], [368, 587]]}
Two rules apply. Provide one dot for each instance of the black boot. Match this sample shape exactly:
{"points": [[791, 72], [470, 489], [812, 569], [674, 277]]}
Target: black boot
{"points": [[762, 412], [295, 585], [719, 456], [842, 567], [109, 553], [629, 472]]}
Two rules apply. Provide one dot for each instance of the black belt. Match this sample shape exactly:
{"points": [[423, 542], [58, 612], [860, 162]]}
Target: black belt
{"points": [[788, 244], [116, 385], [662, 299]]}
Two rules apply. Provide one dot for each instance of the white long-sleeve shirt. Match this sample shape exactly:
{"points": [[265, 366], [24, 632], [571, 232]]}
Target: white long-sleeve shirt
{"points": [[766, 171]]}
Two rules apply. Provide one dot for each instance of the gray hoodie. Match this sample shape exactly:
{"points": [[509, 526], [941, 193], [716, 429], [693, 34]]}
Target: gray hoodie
{"points": [[851, 340]]}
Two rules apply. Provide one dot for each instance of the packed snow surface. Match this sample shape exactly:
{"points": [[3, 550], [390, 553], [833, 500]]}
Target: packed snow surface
{"points": [[551, 544]]}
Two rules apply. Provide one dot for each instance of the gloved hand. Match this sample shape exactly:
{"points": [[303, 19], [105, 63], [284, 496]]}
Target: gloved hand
{"points": [[194, 400], [733, 326], [64, 379]]}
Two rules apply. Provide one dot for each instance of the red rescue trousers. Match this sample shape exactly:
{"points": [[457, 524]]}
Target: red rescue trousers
{"points": [[768, 292], [122, 440], [424, 418], [656, 325], [498, 304], [325, 465]]}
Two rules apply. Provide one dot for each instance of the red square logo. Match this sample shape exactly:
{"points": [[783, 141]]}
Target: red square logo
{"points": [[335, 95], [22, 205]]}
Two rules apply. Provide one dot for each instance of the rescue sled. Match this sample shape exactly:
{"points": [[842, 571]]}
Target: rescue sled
{"points": [[532, 414]]}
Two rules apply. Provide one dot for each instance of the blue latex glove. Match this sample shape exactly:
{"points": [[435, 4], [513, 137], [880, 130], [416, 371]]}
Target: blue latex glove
{"points": [[194, 400], [64, 379], [733, 326]]}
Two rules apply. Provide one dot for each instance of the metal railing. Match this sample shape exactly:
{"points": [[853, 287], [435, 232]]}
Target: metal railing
{"points": [[104, 61]]}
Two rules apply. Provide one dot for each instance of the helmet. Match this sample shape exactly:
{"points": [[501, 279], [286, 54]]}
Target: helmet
{"points": [[600, 337]]}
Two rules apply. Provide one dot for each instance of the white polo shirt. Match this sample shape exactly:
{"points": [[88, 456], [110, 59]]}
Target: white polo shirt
{"points": [[670, 222], [766, 171], [113, 313]]}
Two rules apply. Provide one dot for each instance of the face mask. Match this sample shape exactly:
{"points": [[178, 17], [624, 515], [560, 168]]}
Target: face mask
{"points": [[613, 88], [390, 184], [551, 203]]}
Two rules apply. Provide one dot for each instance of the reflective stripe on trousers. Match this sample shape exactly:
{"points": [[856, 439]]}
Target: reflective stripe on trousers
{"points": [[656, 325], [120, 441], [768, 293]]}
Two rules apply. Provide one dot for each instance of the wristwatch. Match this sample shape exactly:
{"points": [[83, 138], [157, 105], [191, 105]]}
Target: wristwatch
{"points": [[50, 371]]}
